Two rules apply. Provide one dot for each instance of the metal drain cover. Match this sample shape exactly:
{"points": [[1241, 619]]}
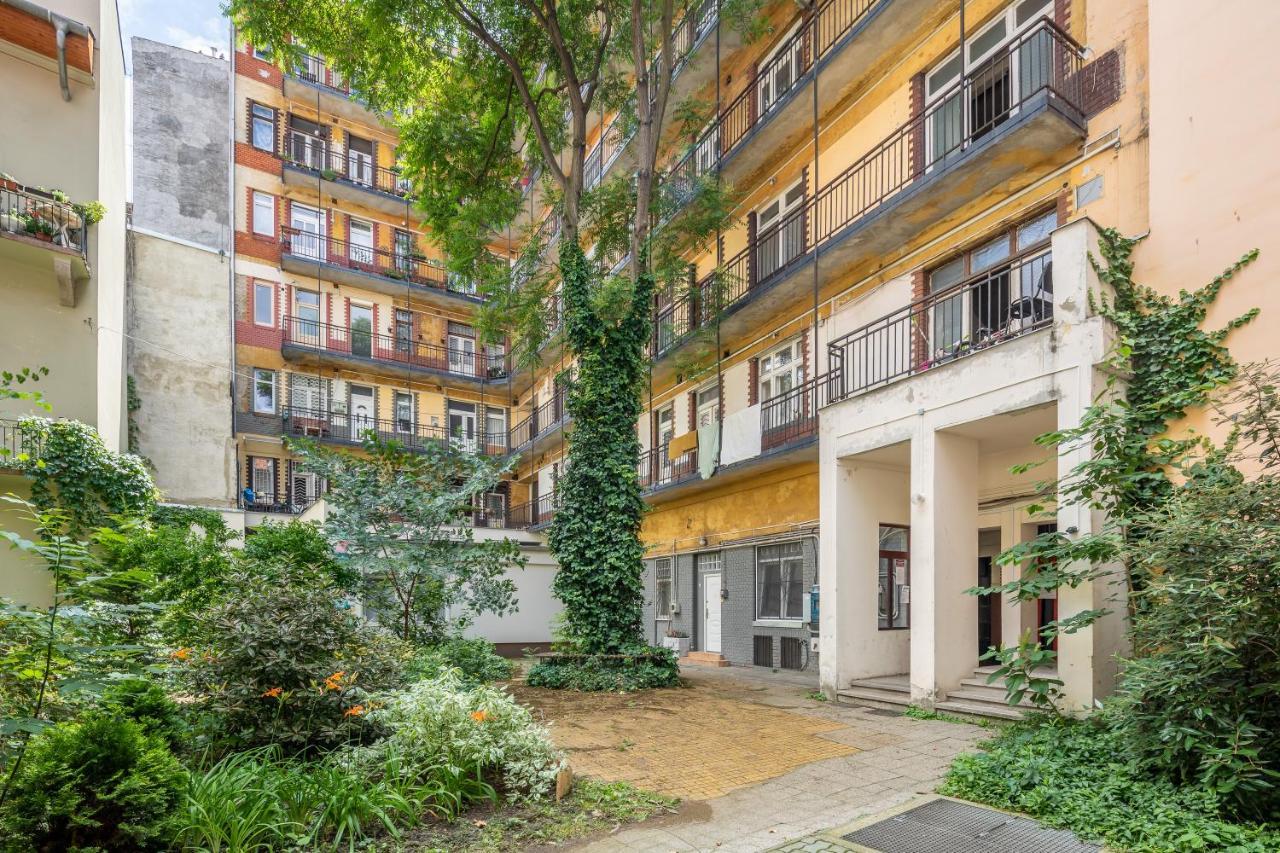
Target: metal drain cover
{"points": [[947, 826]]}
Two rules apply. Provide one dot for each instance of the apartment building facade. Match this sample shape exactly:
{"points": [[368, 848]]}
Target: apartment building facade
{"points": [[901, 308], [62, 277]]}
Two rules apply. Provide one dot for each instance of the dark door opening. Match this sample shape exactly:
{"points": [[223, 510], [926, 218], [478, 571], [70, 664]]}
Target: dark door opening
{"points": [[988, 609]]}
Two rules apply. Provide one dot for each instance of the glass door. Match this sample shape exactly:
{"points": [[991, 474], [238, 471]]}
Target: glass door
{"points": [[360, 244], [309, 227], [781, 231], [362, 330], [894, 578], [363, 412], [780, 71], [360, 160], [306, 317], [404, 331], [462, 426], [462, 355]]}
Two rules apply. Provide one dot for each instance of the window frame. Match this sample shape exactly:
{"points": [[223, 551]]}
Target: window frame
{"points": [[796, 364], [272, 120], [272, 467], [397, 398], [259, 287], [895, 595], [712, 406], [258, 374], [258, 197], [659, 582], [782, 559]]}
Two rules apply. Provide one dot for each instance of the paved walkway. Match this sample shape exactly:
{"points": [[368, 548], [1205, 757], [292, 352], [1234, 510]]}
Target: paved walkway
{"points": [[756, 761]]}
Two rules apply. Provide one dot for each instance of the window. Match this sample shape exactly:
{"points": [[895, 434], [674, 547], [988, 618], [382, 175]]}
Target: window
{"points": [[495, 427], [264, 303], [403, 249], [262, 127], [308, 236], [663, 586], [264, 214], [263, 479], [262, 53], [306, 393], [708, 401], [306, 314], [404, 412], [779, 71], [308, 142], [666, 425], [462, 425], [462, 349], [360, 244], [264, 391], [779, 581], [893, 594], [780, 231], [781, 370]]}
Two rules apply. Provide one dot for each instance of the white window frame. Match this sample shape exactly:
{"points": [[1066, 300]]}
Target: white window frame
{"points": [[314, 245], [497, 414], [767, 93], [360, 252], [707, 412], [310, 390], [260, 376], [787, 240], [664, 566], [790, 566], [267, 289], [264, 205], [462, 354], [306, 326], [795, 367], [406, 398], [269, 469]]}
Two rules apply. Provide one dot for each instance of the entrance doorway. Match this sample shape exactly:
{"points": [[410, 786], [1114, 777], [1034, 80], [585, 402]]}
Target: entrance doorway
{"points": [[711, 612], [988, 605]]}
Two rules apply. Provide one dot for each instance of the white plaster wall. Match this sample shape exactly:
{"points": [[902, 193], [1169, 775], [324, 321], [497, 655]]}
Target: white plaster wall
{"points": [[538, 607]]}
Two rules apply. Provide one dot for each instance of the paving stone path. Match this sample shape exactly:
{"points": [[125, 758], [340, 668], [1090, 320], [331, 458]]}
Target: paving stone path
{"points": [[756, 761]]}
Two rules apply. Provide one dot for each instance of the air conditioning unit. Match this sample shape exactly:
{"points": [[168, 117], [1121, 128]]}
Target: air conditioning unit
{"points": [[674, 608]]}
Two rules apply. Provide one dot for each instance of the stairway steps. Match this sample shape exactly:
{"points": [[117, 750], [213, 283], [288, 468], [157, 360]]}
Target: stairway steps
{"points": [[705, 659], [980, 709], [876, 697], [983, 697]]}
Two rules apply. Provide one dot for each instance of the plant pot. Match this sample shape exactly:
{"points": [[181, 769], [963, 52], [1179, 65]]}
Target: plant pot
{"points": [[6, 184], [679, 645], [43, 237]]}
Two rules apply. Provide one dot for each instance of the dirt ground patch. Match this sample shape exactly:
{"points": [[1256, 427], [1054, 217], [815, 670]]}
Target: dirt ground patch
{"points": [[695, 742]]}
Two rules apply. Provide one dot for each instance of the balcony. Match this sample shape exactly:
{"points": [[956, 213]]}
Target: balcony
{"points": [[533, 515], [14, 444], [317, 85], [311, 342], [543, 428], [999, 305], [315, 162], [39, 230], [338, 427], [389, 272], [1004, 123]]}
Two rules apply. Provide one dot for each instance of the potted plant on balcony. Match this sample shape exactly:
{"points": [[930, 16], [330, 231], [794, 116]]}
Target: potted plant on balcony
{"points": [[329, 174], [7, 181], [677, 641], [91, 211]]}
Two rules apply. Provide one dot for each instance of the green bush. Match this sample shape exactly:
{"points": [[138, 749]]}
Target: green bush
{"points": [[286, 664], [1199, 701], [1076, 775], [296, 551], [653, 667], [101, 783], [150, 707], [475, 660], [442, 733]]}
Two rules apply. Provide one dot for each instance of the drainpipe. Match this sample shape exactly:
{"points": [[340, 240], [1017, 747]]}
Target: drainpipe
{"points": [[61, 26]]}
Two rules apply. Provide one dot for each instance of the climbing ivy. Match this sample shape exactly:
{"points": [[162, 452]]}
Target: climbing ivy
{"points": [[1163, 365], [133, 403], [70, 469], [595, 536]]}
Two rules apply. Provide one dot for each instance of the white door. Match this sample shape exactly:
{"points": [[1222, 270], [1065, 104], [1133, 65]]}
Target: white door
{"points": [[462, 426], [363, 416], [360, 246], [462, 355], [309, 224], [711, 612]]}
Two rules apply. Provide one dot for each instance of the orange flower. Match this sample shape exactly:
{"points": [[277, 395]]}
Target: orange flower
{"points": [[354, 711], [334, 682], [480, 716], [272, 693], [180, 654]]}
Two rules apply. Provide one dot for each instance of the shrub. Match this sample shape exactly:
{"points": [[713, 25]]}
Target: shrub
{"points": [[442, 733], [150, 707], [99, 783], [653, 667], [1075, 774], [296, 552], [1198, 702], [475, 660], [286, 665]]}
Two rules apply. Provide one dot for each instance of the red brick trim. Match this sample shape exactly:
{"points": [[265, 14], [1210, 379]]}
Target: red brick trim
{"points": [[249, 332], [248, 65], [1062, 14], [256, 158], [919, 324], [693, 410], [753, 381], [721, 398], [1063, 207], [256, 246], [40, 36]]}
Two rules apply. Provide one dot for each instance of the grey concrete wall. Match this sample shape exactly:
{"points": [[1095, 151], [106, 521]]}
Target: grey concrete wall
{"points": [[181, 143], [738, 609]]}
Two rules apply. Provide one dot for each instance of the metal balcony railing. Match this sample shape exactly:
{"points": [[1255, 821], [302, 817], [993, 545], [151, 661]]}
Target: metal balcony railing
{"points": [[36, 214], [315, 70], [15, 442], [277, 503], [333, 162], [792, 416], [330, 425], [657, 468], [1011, 299], [1044, 60], [407, 266], [400, 349], [533, 513], [551, 414]]}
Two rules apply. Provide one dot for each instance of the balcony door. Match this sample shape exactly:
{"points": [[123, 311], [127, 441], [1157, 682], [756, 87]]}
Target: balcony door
{"points": [[780, 231], [462, 351], [403, 249], [360, 160], [308, 224], [363, 411], [360, 242], [779, 72], [307, 143], [306, 317], [404, 332], [362, 330], [462, 426]]}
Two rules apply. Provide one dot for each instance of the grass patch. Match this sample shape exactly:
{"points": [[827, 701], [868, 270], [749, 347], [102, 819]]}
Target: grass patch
{"points": [[816, 695], [1076, 775], [915, 712], [592, 807]]}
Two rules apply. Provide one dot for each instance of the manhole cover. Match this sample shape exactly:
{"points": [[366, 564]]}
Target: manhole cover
{"points": [[946, 826]]}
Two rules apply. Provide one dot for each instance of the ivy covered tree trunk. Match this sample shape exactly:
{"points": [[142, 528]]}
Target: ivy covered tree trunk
{"points": [[595, 536]]}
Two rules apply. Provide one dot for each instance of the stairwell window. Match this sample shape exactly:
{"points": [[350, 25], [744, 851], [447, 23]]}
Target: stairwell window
{"points": [[664, 582], [780, 581], [262, 131], [264, 304], [264, 391], [264, 214]]}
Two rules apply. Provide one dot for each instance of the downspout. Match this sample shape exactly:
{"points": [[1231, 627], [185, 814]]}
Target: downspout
{"points": [[61, 26], [230, 252]]}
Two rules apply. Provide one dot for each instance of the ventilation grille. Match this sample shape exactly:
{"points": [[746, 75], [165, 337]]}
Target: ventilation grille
{"points": [[792, 653], [762, 651], [945, 826]]}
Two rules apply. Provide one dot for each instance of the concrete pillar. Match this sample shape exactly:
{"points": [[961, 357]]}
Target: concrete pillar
{"points": [[856, 497], [944, 559]]}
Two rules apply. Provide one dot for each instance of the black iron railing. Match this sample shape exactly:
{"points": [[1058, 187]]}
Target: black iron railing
{"points": [[334, 163], [657, 468], [548, 416], [408, 266], [1011, 299], [353, 427], [1042, 62], [315, 70], [39, 215], [400, 349], [792, 416], [16, 445], [277, 503], [534, 513]]}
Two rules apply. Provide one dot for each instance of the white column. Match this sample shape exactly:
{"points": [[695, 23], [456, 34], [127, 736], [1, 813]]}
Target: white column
{"points": [[944, 559]]}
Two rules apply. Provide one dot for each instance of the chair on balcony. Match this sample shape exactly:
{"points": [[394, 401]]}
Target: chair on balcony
{"points": [[1028, 311]]}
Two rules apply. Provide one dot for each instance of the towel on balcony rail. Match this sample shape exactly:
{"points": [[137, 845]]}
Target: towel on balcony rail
{"points": [[708, 449]]}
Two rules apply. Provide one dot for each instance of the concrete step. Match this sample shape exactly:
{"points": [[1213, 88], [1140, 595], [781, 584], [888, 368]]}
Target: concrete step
{"points": [[705, 659], [875, 697], [979, 685], [990, 710], [985, 696], [898, 684]]}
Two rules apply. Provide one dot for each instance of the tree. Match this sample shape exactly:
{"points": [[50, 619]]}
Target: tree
{"points": [[401, 520], [483, 93]]}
